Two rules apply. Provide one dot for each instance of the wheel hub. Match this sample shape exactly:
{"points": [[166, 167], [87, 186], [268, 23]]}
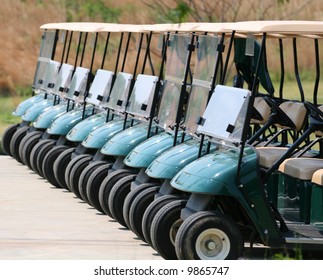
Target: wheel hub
{"points": [[212, 244]]}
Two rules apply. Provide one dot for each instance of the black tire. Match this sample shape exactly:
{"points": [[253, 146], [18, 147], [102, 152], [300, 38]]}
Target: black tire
{"points": [[93, 185], [15, 142], [48, 164], [60, 165], [27, 144], [130, 198], [84, 177], [151, 212], [164, 228], [7, 136], [107, 185], [35, 152], [209, 236], [44, 150], [118, 195], [138, 208], [73, 171]]}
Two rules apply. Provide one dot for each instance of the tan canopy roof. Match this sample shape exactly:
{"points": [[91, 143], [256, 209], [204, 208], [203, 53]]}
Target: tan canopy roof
{"points": [[275, 28], [168, 27], [215, 27], [93, 27], [282, 28], [76, 26]]}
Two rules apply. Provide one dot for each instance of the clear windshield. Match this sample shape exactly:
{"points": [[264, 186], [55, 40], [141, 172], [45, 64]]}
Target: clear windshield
{"points": [[100, 87], [63, 79], [225, 114], [42, 66], [206, 56], [177, 58], [169, 104], [42, 63], [49, 76], [47, 43], [141, 98], [120, 91], [45, 54], [196, 106], [77, 86]]}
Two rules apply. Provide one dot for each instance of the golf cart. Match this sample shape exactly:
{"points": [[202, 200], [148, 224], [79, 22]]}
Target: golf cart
{"points": [[126, 100], [62, 88], [39, 87], [208, 70], [98, 168], [73, 128], [165, 126], [232, 195]]}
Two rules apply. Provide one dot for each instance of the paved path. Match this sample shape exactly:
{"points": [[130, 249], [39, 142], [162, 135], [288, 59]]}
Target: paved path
{"points": [[40, 222]]}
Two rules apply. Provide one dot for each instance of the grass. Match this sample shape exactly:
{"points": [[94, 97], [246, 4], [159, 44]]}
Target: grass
{"points": [[8, 104], [291, 91]]}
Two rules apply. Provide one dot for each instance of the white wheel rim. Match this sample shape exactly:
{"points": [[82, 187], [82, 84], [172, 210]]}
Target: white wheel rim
{"points": [[212, 244]]}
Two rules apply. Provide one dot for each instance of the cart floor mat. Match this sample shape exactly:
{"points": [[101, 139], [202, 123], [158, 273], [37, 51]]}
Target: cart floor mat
{"points": [[306, 230]]}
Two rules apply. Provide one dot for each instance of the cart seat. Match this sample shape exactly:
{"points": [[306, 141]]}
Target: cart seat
{"points": [[316, 216], [296, 112], [262, 111], [295, 187], [317, 177], [304, 168], [268, 155], [301, 168]]}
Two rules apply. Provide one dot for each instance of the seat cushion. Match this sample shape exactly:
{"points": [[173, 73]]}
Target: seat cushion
{"points": [[296, 111], [301, 168], [268, 155], [263, 110], [317, 177]]}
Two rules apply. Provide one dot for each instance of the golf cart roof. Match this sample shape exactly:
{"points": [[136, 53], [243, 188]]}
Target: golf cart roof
{"points": [[127, 28], [77, 26], [215, 27], [93, 27], [168, 27], [280, 28]]}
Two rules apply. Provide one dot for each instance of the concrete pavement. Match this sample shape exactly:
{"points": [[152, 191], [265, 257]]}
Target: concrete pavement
{"points": [[40, 222]]}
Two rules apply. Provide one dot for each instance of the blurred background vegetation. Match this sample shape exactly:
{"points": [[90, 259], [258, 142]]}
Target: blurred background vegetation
{"points": [[20, 34]]}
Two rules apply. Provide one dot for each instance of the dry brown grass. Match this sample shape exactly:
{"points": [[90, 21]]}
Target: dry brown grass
{"points": [[20, 34]]}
